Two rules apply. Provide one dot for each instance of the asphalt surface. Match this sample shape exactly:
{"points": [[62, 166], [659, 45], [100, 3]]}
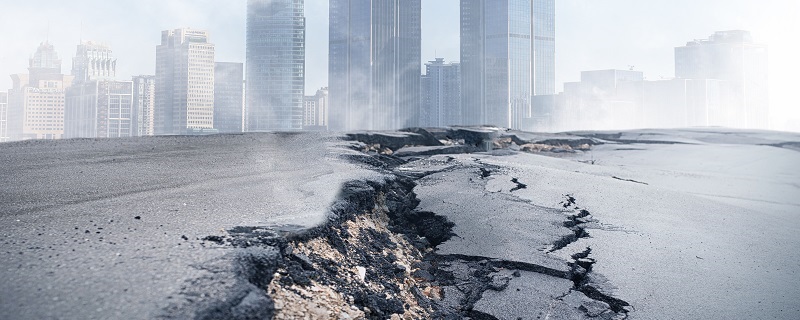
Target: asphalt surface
{"points": [[682, 224], [98, 229]]}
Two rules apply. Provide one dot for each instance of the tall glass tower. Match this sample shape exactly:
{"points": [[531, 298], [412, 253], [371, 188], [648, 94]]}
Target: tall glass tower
{"points": [[507, 57], [275, 68], [374, 64], [544, 47]]}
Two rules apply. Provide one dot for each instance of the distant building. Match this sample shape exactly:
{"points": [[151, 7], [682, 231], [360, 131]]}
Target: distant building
{"points": [[374, 64], [677, 103], [440, 103], [184, 101], [730, 56], [601, 100], [228, 104], [96, 105], [36, 100], [507, 57], [99, 109], [144, 100], [622, 99], [4, 117], [275, 65], [315, 111], [93, 61]]}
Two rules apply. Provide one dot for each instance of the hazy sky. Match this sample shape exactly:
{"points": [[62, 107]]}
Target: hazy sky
{"points": [[591, 34]]}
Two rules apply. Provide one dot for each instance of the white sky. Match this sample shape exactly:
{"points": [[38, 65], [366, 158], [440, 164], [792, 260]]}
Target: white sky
{"points": [[591, 35]]}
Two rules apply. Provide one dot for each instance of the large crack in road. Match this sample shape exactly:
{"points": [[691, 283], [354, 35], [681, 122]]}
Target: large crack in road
{"points": [[378, 257]]}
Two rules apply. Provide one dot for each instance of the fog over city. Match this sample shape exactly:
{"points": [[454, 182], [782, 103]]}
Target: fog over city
{"points": [[590, 35], [399, 159]]}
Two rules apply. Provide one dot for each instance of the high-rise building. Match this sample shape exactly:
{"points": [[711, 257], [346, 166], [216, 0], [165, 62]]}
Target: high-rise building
{"points": [[731, 56], [184, 101], [315, 111], [228, 103], [544, 48], [99, 109], [507, 56], [36, 100], [93, 61], [374, 64], [440, 94], [144, 100], [275, 65], [4, 117], [96, 105]]}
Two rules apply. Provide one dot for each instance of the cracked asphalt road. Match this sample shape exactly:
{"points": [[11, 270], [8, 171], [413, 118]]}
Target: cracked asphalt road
{"points": [[683, 224], [696, 230]]}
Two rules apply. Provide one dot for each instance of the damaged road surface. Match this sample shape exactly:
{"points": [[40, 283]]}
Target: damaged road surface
{"points": [[454, 223], [115, 228]]}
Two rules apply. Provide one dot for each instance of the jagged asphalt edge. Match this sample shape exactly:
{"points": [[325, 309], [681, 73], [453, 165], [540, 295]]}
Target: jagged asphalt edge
{"points": [[581, 264], [263, 250]]}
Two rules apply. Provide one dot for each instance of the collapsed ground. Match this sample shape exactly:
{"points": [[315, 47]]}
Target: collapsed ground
{"points": [[378, 255]]}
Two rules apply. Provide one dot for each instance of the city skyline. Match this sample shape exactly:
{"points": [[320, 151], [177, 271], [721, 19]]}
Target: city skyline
{"points": [[642, 36]]}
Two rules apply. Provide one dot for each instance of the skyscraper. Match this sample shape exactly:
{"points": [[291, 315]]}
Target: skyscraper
{"points": [[36, 100], [374, 64], [144, 99], [730, 56], [96, 105], [228, 103], [507, 56], [184, 101], [275, 65], [441, 94]]}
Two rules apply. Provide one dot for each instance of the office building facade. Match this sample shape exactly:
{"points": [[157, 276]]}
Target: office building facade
{"points": [[507, 57], [99, 109], [275, 65], [440, 103], [374, 64], [184, 99]]}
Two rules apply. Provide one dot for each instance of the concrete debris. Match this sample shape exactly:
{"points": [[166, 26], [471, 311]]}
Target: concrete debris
{"points": [[362, 273]]}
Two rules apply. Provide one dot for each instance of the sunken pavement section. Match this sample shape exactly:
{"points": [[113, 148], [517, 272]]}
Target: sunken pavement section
{"points": [[427, 241]]}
